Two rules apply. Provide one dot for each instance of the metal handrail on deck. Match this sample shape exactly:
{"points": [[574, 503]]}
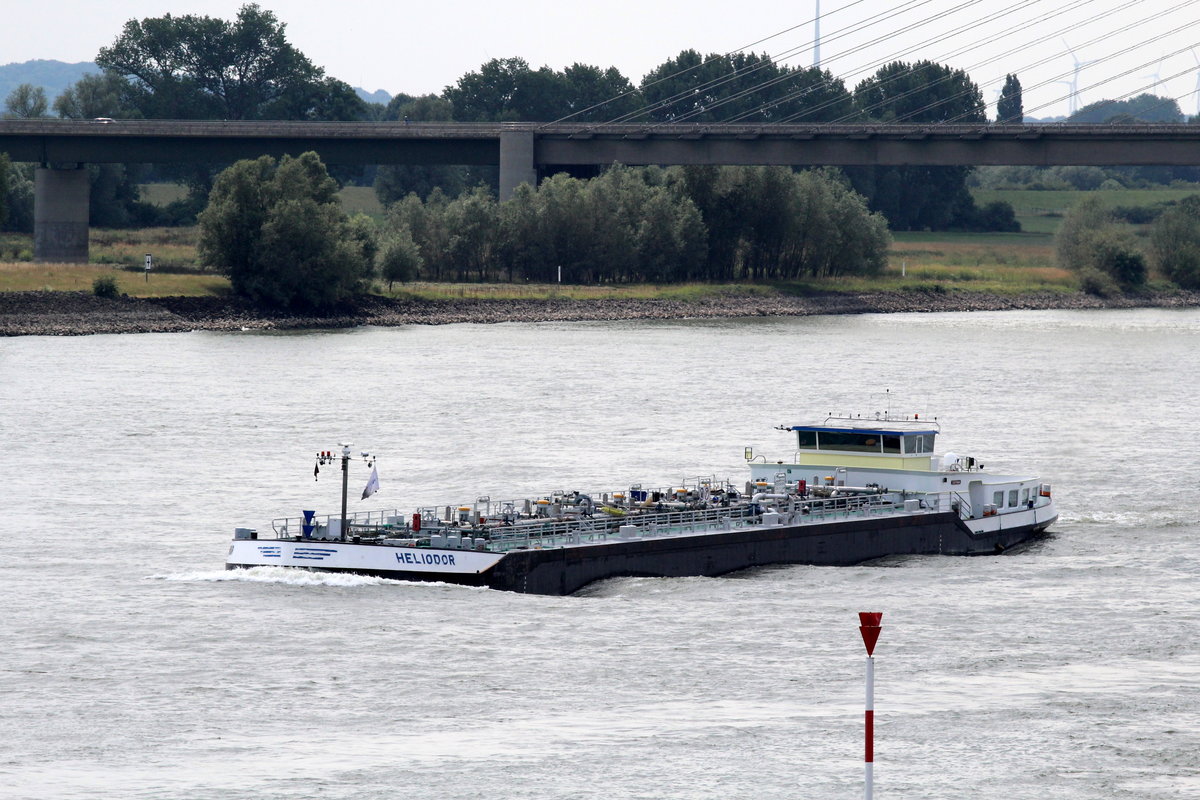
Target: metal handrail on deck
{"points": [[369, 523], [549, 532]]}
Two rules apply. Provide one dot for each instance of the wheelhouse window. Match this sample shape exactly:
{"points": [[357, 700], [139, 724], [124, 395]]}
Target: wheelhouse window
{"points": [[918, 443], [1012, 497], [850, 441], [998, 499], [806, 440], [891, 444]]}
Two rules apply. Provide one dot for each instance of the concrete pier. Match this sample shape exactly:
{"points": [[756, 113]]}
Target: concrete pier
{"points": [[60, 215], [517, 163]]}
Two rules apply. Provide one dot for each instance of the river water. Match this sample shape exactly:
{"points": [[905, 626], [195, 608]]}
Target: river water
{"points": [[134, 666]]}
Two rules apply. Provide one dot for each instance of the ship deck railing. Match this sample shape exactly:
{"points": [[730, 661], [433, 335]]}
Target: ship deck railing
{"points": [[551, 534], [543, 533], [370, 523]]}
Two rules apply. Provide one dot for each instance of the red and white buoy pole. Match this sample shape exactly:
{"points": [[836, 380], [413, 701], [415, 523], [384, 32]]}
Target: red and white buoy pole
{"points": [[869, 628]]}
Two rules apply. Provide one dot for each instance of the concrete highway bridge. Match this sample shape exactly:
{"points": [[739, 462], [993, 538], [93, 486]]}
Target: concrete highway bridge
{"points": [[523, 151]]}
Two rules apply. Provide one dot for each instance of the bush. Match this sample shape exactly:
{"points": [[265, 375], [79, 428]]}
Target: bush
{"points": [[997, 216], [1090, 243], [1138, 215], [1175, 243], [1093, 281], [105, 286]]}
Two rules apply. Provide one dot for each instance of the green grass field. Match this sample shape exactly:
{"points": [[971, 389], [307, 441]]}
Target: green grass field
{"points": [[1042, 211], [355, 199]]}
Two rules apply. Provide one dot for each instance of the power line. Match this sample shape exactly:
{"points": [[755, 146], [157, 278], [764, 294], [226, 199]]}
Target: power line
{"points": [[1102, 37], [709, 61], [720, 81], [901, 53], [808, 89], [1131, 49]]}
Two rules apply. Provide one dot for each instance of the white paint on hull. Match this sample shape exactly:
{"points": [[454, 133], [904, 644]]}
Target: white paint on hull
{"points": [[344, 555], [1040, 515]]}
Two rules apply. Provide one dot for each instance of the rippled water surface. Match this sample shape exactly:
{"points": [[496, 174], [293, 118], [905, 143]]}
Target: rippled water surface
{"points": [[133, 666]]}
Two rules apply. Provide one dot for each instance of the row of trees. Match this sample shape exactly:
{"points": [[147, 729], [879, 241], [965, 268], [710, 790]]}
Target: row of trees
{"points": [[277, 231], [697, 88], [199, 67], [650, 225]]}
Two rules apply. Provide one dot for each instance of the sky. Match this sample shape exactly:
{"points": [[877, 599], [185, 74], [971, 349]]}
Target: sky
{"points": [[418, 48]]}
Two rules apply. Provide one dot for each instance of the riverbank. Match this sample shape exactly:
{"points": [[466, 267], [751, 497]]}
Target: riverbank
{"points": [[81, 313]]}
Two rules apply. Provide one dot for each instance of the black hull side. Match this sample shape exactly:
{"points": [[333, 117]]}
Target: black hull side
{"points": [[565, 571]]}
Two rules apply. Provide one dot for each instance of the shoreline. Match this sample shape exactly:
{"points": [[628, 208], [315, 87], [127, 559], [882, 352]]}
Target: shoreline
{"points": [[46, 313]]}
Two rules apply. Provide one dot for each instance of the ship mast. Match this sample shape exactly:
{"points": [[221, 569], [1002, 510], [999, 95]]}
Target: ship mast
{"points": [[345, 483]]}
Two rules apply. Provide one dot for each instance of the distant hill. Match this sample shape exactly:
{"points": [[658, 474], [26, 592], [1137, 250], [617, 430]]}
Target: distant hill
{"points": [[377, 96], [52, 76]]}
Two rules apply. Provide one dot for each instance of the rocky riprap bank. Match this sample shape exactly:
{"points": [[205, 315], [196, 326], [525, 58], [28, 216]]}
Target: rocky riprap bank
{"points": [[80, 313]]}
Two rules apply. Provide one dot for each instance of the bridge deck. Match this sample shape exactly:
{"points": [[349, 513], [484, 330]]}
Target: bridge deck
{"points": [[166, 141]]}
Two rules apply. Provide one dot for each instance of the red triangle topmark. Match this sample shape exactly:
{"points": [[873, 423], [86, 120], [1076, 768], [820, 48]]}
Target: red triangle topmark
{"points": [[870, 629], [870, 637]]}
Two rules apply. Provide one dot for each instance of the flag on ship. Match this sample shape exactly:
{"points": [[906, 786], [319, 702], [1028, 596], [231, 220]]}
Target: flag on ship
{"points": [[372, 483]]}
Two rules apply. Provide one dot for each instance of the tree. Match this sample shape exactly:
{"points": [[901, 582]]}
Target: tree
{"points": [[193, 67], [596, 95], [399, 258], [918, 197], [113, 194], [744, 87], [1144, 107], [920, 92], [1072, 243], [1010, 109], [798, 224], [97, 95], [395, 181], [5, 170], [18, 197], [277, 230], [508, 90], [472, 219], [25, 102], [1175, 243]]}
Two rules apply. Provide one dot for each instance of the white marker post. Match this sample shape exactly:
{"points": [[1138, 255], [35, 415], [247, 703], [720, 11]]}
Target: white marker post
{"points": [[869, 628]]}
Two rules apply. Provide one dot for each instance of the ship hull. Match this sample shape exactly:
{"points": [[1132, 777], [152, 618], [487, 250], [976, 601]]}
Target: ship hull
{"points": [[565, 570]]}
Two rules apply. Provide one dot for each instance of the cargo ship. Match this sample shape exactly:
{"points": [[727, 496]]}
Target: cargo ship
{"points": [[853, 490]]}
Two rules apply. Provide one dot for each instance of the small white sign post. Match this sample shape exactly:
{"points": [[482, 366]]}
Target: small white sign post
{"points": [[149, 264]]}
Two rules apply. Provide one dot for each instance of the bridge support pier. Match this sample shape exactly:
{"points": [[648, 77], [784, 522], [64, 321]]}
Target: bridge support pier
{"points": [[60, 215], [516, 162]]}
